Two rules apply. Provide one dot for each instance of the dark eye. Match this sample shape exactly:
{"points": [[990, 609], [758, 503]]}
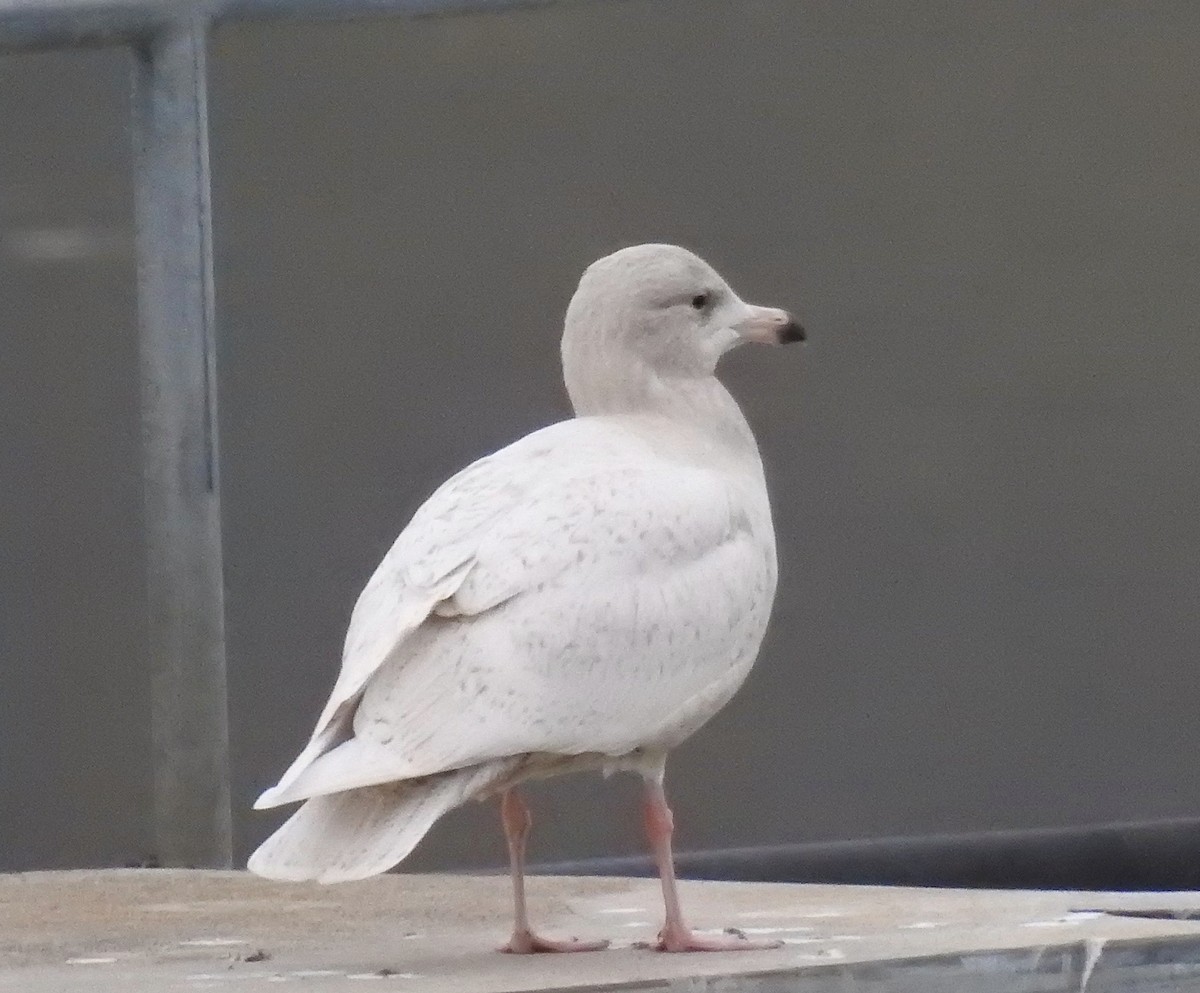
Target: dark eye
{"points": [[700, 301]]}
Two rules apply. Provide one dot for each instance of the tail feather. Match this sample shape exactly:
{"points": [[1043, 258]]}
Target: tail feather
{"points": [[361, 832]]}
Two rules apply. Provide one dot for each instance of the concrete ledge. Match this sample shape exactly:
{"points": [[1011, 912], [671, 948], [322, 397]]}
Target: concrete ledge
{"points": [[167, 930]]}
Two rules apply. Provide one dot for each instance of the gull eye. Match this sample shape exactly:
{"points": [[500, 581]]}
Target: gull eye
{"points": [[700, 301]]}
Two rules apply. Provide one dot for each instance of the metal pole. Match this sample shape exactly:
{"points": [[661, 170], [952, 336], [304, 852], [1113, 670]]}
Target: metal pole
{"points": [[35, 25], [190, 725]]}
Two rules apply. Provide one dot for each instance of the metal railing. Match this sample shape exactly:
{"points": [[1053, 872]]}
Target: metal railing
{"points": [[176, 316]]}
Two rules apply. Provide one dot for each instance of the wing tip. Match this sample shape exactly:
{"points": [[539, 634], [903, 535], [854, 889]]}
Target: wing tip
{"points": [[270, 798]]}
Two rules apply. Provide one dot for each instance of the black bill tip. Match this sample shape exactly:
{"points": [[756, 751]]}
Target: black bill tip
{"points": [[791, 332]]}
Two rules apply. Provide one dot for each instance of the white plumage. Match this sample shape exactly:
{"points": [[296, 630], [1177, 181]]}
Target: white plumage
{"points": [[585, 598]]}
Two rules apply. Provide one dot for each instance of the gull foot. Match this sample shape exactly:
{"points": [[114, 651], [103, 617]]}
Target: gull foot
{"points": [[528, 943], [686, 940]]}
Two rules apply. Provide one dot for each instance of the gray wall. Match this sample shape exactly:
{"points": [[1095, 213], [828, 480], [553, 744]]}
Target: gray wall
{"points": [[984, 466]]}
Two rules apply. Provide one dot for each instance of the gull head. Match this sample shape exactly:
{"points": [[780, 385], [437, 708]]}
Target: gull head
{"points": [[657, 311]]}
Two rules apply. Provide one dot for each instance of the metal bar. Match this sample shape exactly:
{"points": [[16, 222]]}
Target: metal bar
{"points": [[42, 25], [190, 727], [35, 25], [1148, 855], [227, 11]]}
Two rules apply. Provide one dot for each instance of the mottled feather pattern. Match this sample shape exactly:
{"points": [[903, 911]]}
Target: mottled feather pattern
{"points": [[615, 551]]}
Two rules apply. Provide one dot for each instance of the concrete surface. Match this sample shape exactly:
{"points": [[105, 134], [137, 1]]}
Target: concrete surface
{"points": [[168, 930]]}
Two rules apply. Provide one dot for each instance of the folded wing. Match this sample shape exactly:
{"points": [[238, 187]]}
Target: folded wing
{"points": [[480, 634]]}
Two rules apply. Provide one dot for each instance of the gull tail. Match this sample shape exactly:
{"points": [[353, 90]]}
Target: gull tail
{"points": [[361, 832]]}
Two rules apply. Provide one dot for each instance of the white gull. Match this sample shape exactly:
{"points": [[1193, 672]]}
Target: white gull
{"points": [[585, 598]]}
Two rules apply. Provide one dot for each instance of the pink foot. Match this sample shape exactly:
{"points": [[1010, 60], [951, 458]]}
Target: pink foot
{"points": [[672, 939], [528, 943]]}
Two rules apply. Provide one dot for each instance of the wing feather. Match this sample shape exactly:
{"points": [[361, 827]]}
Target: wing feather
{"points": [[428, 563], [589, 535]]}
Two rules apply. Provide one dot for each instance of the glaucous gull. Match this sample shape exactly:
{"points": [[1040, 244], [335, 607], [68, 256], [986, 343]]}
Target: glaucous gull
{"points": [[584, 599]]}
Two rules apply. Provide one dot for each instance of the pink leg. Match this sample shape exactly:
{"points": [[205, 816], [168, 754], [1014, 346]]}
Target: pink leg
{"points": [[517, 822], [676, 936]]}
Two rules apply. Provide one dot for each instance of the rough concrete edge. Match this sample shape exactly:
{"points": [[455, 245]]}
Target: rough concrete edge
{"points": [[1020, 955]]}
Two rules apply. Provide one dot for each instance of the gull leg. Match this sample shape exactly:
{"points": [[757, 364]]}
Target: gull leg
{"points": [[517, 822], [676, 936]]}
